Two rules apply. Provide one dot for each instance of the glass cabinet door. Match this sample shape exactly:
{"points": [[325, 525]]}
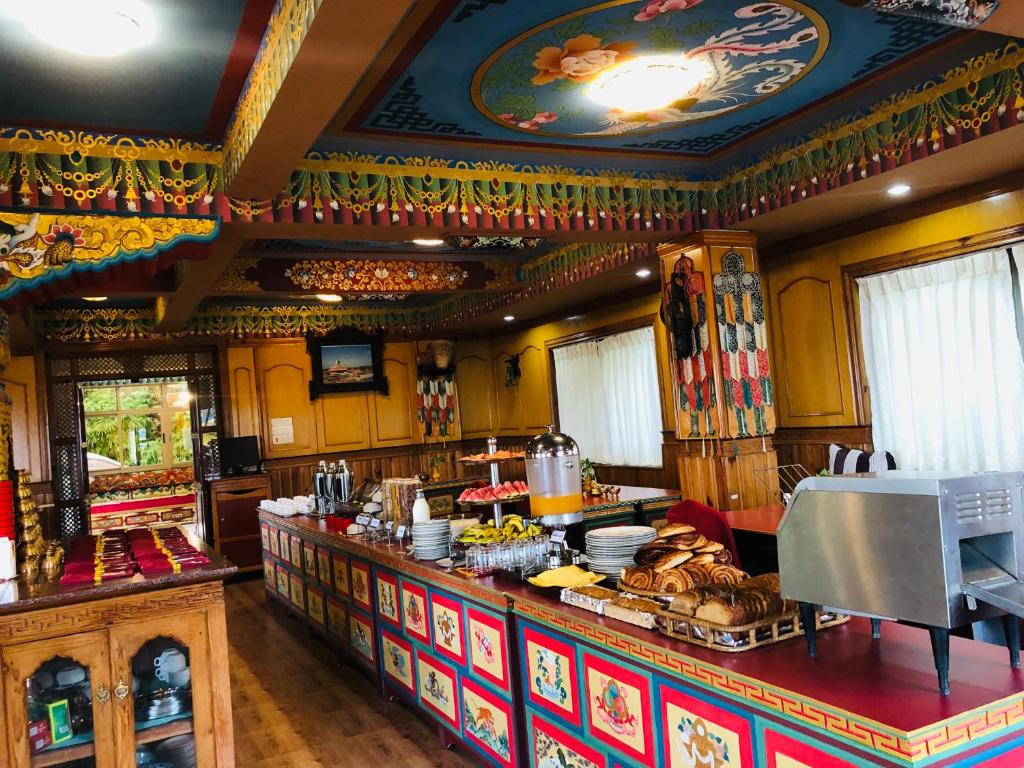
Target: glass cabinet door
{"points": [[163, 692], [58, 698]]}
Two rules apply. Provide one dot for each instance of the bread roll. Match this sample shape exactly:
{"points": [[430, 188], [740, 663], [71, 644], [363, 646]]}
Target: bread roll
{"points": [[704, 559], [671, 560], [641, 577], [712, 547], [674, 529], [726, 574], [724, 557], [674, 581]]}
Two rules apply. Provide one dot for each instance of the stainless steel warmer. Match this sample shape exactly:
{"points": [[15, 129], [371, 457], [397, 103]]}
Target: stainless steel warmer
{"points": [[938, 549]]}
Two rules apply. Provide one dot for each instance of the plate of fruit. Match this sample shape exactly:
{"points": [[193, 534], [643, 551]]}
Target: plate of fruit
{"points": [[510, 490], [513, 528]]}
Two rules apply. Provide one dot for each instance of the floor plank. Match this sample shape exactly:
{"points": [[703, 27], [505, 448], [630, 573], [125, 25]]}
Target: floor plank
{"points": [[296, 706]]}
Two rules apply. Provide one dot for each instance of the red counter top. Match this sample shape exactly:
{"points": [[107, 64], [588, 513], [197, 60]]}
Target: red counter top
{"points": [[882, 693], [756, 519]]}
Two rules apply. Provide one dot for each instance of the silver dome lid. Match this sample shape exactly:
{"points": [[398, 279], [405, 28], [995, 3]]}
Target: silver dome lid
{"points": [[551, 443]]}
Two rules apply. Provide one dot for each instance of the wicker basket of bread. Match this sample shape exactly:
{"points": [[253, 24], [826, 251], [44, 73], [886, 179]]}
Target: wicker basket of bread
{"points": [[678, 560], [738, 617]]}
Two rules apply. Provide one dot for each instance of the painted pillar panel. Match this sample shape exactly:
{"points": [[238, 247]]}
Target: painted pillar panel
{"points": [[619, 709]]}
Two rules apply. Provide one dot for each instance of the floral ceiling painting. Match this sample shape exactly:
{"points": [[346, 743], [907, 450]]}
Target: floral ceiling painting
{"points": [[526, 72], [744, 52]]}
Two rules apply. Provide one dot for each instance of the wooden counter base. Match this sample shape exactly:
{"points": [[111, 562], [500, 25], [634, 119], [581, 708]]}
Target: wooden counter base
{"points": [[517, 676]]}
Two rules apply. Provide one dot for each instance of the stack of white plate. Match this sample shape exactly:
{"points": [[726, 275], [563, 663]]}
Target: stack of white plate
{"points": [[179, 751], [609, 550], [430, 540]]}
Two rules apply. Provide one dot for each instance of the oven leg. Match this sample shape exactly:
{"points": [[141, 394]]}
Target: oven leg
{"points": [[1011, 626], [808, 617], [876, 629], [940, 650]]}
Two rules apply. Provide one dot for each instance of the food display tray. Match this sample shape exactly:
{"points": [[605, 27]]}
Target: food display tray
{"points": [[741, 638], [506, 500], [623, 587], [481, 462]]}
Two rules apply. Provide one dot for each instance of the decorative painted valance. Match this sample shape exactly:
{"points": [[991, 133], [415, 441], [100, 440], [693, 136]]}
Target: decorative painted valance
{"points": [[968, 14], [38, 248]]}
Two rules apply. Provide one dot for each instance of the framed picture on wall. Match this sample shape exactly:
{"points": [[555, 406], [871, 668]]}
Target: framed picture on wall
{"points": [[346, 360]]}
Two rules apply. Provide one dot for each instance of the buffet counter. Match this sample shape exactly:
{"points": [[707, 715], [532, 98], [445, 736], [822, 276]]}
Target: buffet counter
{"points": [[110, 671], [519, 678]]}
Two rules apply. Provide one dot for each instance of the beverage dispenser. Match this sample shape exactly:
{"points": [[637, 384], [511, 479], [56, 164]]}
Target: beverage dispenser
{"points": [[553, 474]]}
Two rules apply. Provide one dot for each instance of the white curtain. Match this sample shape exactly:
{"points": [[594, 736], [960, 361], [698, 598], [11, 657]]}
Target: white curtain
{"points": [[608, 398], [944, 364]]}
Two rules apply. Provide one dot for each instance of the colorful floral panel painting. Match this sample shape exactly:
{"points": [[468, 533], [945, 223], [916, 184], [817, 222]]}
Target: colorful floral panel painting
{"points": [[554, 748], [619, 708], [387, 599], [446, 624], [551, 675], [487, 721], [487, 648], [398, 662], [437, 688], [361, 584], [361, 637], [700, 735], [414, 611]]}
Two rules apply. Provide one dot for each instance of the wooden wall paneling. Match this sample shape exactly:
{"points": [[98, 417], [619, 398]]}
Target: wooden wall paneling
{"points": [[742, 465], [343, 421], [393, 418], [475, 385], [19, 379], [811, 352], [283, 374], [509, 412], [245, 405], [698, 474], [809, 446]]}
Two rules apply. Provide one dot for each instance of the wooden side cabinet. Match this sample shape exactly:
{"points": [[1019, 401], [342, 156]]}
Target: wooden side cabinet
{"points": [[236, 527], [111, 682]]}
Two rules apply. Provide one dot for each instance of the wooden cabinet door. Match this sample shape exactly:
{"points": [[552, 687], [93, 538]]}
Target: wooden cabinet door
{"points": [[139, 649], [393, 418], [534, 391], [283, 375], [33, 672], [343, 422], [475, 380]]}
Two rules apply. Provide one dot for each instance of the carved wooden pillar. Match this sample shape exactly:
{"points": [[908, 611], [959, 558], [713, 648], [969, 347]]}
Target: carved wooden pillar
{"points": [[713, 307]]}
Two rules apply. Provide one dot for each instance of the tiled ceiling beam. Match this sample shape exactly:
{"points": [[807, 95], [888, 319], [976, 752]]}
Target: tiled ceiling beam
{"points": [[312, 56]]}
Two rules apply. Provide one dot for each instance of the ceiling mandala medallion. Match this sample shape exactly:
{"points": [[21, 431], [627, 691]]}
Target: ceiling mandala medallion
{"points": [[744, 52]]}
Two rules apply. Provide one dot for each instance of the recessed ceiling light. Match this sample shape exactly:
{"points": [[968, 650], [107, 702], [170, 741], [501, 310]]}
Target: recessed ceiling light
{"points": [[509, 318], [650, 82], [573, 317], [898, 190], [101, 28], [643, 272], [95, 298], [429, 242], [329, 298]]}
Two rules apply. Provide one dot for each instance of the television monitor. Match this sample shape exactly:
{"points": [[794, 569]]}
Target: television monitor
{"points": [[239, 455]]}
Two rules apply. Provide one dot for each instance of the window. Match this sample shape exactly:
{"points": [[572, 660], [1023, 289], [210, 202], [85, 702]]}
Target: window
{"points": [[944, 363], [137, 425], [608, 398]]}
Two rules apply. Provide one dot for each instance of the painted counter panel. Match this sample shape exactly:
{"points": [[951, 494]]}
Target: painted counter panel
{"points": [[360, 581], [438, 689], [414, 611], [551, 680], [488, 723], [448, 627], [487, 635], [397, 661], [386, 585]]}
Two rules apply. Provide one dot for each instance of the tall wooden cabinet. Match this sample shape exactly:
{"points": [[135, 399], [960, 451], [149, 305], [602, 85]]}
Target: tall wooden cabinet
{"points": [[86, 683]]}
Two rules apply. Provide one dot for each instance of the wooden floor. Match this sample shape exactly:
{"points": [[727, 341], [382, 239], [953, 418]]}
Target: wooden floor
{"points": [[295, 705]]}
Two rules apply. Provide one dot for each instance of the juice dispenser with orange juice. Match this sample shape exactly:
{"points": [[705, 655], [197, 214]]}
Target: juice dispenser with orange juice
{"points": [[553, 474]]}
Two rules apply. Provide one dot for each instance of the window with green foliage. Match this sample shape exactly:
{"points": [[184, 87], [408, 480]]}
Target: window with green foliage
{"points": [[137, 425]]}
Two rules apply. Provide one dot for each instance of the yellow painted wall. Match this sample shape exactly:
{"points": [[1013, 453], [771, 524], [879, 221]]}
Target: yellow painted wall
{"points": [[526, 408], [811, 341]]}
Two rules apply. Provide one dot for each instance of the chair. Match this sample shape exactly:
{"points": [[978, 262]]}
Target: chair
{"points": [[708, 521]]}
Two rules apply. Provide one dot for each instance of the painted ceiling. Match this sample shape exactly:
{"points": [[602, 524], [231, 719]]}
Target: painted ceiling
{"points": [[524, 69], [185, 84]]}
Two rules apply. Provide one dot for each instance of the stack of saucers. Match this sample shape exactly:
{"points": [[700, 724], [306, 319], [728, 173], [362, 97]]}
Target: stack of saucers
{"points": [[430, 540], [179, 751], [609, 550]]}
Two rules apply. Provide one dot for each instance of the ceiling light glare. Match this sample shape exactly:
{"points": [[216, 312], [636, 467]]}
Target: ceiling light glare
{"points": [[428, 242], [643, 272], [95, 298], [98, 28], [649, 82], [509, 318], [898, 190], [328, 298]]}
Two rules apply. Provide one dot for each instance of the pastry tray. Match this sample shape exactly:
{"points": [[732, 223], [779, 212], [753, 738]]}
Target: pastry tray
{"points": [[481, 462], [623, 587], [745, 637]]}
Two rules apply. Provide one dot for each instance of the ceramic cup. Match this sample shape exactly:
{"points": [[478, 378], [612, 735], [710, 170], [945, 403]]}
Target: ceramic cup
{"points": [[180, 679], [169, 661], [70, 676]]}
